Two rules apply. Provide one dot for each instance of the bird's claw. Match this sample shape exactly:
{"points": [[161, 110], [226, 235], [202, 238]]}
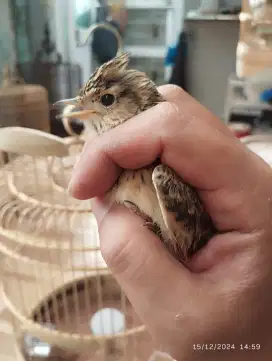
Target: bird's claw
{"points": [[149, 225]]}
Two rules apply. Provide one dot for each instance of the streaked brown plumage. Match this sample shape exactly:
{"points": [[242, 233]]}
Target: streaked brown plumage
{"points": [[169, 206]]}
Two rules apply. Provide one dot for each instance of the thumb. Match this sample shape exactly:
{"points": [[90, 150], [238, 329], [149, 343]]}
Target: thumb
{"points": [[141, 264]]}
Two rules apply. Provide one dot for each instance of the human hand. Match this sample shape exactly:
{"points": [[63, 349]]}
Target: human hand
{"points": [[224, 296]]}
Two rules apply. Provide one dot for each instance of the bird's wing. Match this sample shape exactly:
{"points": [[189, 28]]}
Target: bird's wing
{"points": [[188, 223]]}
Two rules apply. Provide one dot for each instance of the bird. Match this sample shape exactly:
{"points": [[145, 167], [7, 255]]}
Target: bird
{"points": [[169, 207]]}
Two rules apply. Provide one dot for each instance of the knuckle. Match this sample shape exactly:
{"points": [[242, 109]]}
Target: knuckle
{"points": [[117, 255], [120, 250], [171, 122], [169, 113]]}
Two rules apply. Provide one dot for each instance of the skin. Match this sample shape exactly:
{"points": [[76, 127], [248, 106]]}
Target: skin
{"points": [[224, 295]]}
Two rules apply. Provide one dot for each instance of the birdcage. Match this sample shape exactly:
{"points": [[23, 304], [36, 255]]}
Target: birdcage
{"points": [[21, 104], [64, 302]]}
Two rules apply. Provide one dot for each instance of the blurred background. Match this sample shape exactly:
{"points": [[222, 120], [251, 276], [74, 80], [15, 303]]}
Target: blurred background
{"points": [[219, 51]]}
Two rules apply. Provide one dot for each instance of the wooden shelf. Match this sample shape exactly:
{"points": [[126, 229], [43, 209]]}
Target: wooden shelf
{"points": [[213, 17]]}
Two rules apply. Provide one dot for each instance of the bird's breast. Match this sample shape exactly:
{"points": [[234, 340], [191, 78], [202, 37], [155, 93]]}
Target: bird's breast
{"points": [[136, 186]]}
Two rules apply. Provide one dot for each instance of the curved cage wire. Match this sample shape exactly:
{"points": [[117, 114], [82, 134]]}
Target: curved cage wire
{"points": [[54, 281]]}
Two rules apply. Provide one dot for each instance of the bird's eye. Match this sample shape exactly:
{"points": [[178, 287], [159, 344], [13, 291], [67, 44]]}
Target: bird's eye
{"points": [[107, 100]]}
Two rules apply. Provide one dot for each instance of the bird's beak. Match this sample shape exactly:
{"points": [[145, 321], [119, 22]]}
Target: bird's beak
{"points": [[82, 115], [72, 101]]}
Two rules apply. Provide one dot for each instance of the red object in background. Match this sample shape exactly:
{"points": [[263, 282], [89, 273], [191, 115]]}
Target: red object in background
{"points": [[240, 129]]}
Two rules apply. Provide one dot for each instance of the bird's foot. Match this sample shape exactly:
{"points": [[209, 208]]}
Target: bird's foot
{"points": [[153, 227], [136, 210], [148, 222]]}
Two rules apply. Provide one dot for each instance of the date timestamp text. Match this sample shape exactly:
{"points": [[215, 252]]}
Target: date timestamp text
{"points": [[226, 347]]}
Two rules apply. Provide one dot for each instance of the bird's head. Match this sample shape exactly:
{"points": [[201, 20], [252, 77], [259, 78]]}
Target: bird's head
{"points": [[112, 95]]}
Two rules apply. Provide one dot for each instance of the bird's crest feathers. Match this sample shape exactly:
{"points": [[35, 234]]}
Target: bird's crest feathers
{"points": [[113, 67], [130, 84], [118, 63]]}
